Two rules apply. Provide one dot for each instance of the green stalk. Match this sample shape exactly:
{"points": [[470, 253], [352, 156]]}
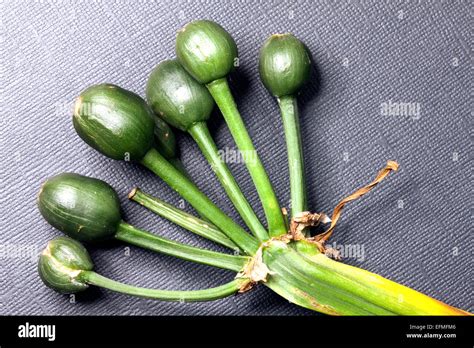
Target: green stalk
{"points": [[320, 300], [181, 184], [376, 289], [222, 291], [176, 162], [289, 113], [335, 288], [200, 133], [221, 93], [181, 218], [315, 292], [132, 235]]}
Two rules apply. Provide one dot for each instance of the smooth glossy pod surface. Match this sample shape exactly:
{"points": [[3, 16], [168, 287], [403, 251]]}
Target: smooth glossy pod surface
{"points": [[114, 121], [84, 208], [61, 263], [165, 141], [284, 64], [177, 97], [206, 50]]}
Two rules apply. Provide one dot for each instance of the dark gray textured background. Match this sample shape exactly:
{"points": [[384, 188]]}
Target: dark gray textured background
{"points": [[416, 228]]}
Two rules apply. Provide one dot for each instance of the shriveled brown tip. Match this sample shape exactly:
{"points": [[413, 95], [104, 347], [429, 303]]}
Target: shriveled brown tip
{"points": [[40, 191], [133, 193], [392, 165], [182, 30], [77, 106], [280, 35], [47, 250]]}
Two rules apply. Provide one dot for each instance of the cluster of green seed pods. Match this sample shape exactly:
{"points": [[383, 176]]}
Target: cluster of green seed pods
{"points": [[121, 125], [181, 93]]}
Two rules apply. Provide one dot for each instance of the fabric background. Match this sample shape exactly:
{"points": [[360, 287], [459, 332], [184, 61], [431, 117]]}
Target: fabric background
{"points": [[415, 228]]}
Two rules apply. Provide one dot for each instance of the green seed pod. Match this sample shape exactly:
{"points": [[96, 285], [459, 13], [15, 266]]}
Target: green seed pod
{"points": [[165, 141], [84, 208], [176, 97], [284, 64], [206, 50], [114, 121], [61, 264]]}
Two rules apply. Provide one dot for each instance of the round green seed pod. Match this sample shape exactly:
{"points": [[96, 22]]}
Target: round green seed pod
{"points": [[61, 263], [84, 208], [165, 141], [176, 97], [284, 64], [114, 121], [206, 50]]}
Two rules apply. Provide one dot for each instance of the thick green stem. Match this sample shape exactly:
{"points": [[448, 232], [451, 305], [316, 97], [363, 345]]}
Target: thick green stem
{"points": [[181, 218], [189, 191], [376, 289], [289, 113], [176, 162], [335, 288], [132, 235], [221, 93], [210, 294], [203, 138], [319, 295]]}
